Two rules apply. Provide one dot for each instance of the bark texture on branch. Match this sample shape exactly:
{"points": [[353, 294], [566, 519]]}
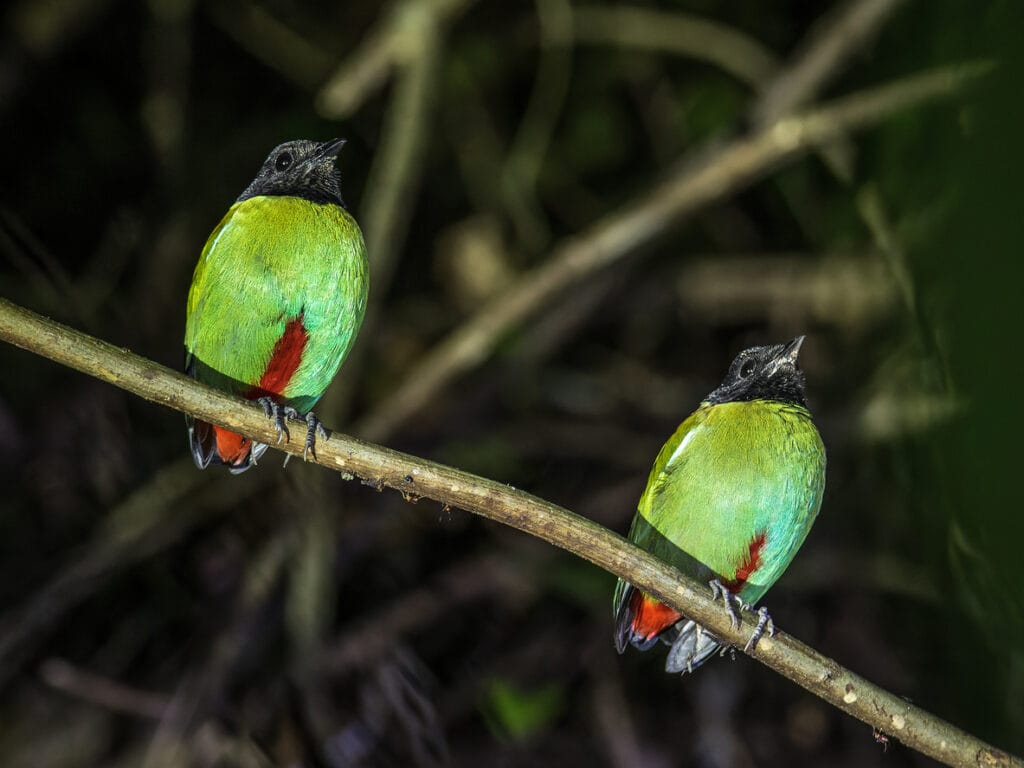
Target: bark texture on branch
{"points": [[414, 477]]}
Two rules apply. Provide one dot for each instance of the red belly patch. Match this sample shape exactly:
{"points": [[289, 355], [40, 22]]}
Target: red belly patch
{"points": [[750, 563], [284, 361], [232, 448]]}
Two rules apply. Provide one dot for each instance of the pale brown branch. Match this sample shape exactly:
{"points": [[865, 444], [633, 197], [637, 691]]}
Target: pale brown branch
{"points": [[394, 176], [102, 691], [529, 146], [394, 181], [137, 528], [691, 187], [843, 33], [379, 466], [680, 34], [468, 581], [393, 41], [273, 42], [781, 90], [526, 154], [835, 41]]}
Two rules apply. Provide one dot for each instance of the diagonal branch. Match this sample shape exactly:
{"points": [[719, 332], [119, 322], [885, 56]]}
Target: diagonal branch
{"points": [[394, 40], [691, 187], [417, 477], [681, 34], [394, 180], [845, 31]]}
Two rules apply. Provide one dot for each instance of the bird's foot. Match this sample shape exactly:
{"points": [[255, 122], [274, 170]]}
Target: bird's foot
{"points": [[764, 624], [313, 427], [718, 590], [280, 414]]}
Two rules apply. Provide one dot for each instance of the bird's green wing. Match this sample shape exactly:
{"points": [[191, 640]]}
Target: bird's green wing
{"points": [[275, 266], [733, 494]]}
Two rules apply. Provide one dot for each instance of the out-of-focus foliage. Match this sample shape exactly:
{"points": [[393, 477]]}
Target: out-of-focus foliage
{"points": [[522, 714], [152, 614]]}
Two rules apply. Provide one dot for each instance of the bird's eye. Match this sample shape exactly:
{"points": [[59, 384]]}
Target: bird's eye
{"points": [[283, 161], [746, 369]]}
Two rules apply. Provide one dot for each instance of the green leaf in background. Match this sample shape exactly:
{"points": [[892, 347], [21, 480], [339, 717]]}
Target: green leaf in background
{"points": [[518, 714]]}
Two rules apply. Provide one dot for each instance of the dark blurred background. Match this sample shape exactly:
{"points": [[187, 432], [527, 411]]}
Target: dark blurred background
{"points": [[152, 614]]}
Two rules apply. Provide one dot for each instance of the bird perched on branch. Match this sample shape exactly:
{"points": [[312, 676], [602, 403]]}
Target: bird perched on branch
{"points": [[277, 298], [729, 501]]}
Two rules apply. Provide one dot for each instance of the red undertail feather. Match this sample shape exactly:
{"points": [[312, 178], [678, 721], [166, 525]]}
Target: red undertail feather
{"points": [[650, 617], [750, 563], [232, 448]]}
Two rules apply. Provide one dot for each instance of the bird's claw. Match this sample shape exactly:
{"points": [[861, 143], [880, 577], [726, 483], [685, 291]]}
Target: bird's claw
{"points": [[764, 624], [280, 414], [718, 590], [313, 427]]}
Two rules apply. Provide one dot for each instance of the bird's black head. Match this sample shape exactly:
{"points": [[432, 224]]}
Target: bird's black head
{"points": [[301, 168], [763, 373]]}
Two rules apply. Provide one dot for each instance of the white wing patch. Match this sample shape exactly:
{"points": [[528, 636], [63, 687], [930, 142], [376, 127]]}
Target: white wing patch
{"points": [[213, 245], [681, 447]]}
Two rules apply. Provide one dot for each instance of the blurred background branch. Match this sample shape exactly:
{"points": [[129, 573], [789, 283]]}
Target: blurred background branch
{"points": [[721, 172], [847, 29], [680, 34], [396, 41]]}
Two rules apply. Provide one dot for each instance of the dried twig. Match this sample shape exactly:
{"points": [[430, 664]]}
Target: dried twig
{"points": [[393, 41], [394, 177], [887, 712], [525, 157], [683, 34], [102, 691], [731, 168], [270, 40], [468, 581], [845, 32], [135, 529]]}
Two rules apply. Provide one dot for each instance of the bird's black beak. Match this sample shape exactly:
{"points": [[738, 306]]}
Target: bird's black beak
{"points": [[331, 148], [792, 350]]}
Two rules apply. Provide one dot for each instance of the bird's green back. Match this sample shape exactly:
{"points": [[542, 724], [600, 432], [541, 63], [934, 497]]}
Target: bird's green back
{"points": [[273, 259], [730, 473]]}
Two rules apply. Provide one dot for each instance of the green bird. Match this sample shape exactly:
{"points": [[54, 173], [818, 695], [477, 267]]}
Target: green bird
{"points": [[730, 499], [277, 298]]}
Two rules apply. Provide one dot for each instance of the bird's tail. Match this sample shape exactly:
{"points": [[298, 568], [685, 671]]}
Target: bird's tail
{"points": [[213, 445], [640, 620], [692, 646]]}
